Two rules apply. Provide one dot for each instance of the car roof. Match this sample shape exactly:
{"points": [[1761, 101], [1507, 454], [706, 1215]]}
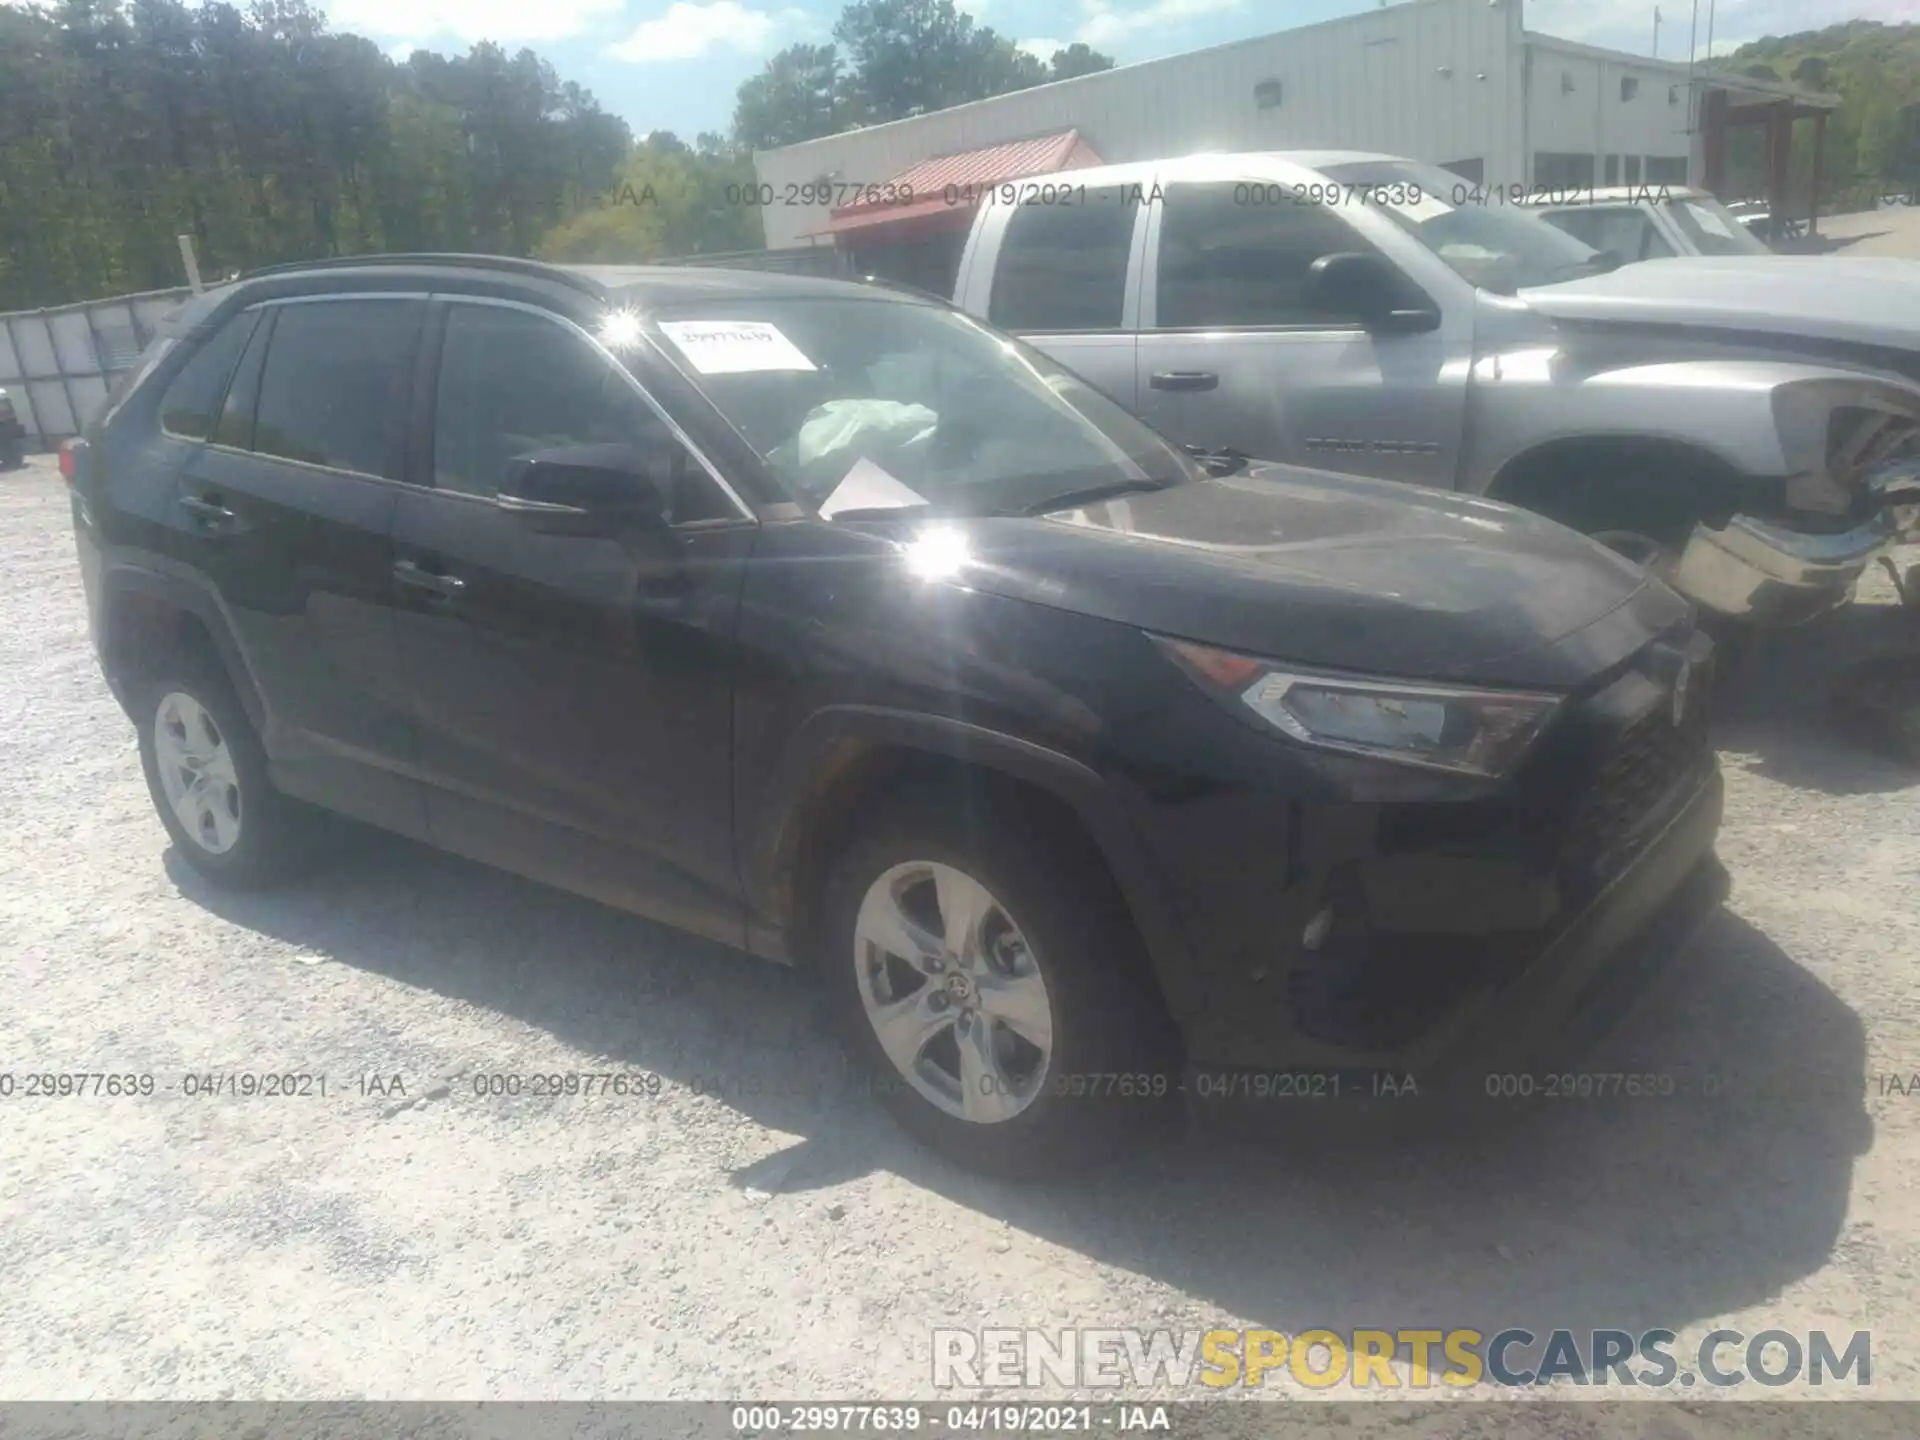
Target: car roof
{"points": [[662, 287], [643, 287]]}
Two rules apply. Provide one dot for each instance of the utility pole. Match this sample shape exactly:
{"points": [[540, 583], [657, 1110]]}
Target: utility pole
{"points": [[1656, 32]]}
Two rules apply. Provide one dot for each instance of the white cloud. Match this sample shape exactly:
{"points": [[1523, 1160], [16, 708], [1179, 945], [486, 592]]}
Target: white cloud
{"points": [[1041, 50], [505, 21], [1102, 24], [689, 30]]}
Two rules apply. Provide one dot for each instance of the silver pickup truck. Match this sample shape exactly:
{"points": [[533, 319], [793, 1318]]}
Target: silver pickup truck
{"points": [[1742, 425], [1651, 222]]}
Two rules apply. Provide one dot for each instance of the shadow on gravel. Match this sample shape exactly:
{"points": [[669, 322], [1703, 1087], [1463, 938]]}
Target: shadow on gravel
{"points": [[1581, 1213], [1777, 715]]}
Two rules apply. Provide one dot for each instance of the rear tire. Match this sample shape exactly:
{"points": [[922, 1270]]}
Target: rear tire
{"points": [[207, 774], [1023, 1037]]}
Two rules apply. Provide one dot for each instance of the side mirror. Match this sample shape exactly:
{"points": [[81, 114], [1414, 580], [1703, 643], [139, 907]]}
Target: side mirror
{"points": [[589, 490], [1368, 289]]}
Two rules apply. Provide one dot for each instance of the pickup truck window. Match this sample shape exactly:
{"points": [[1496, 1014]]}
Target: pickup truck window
{"points": [[1626, 230], [966, 420], [1491, 244], [1063, 266], [1713, 229], [1227, 260]]}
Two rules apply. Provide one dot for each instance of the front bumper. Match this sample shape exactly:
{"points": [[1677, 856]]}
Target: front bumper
{"points": [[1546, 1014], [1399, 934], [1757, 571]]}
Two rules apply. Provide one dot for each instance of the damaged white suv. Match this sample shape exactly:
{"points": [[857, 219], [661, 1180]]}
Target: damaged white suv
{"points": [[1744, 425]]}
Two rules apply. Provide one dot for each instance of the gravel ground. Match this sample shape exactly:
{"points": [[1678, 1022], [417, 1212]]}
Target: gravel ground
{"points": [[760, 1228]]}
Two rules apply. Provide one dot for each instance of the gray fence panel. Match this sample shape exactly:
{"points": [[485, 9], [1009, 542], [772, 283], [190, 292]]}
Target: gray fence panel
{"points": [[59, 364], [72, 343], [49, 411]]}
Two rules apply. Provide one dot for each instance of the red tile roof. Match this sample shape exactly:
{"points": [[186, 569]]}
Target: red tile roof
{"points": [[952, 181], [1014, 160]]}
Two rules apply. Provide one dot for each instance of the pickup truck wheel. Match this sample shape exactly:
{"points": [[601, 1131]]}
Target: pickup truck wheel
{"points": [[988, 978], [207, 775], [12, 455]]}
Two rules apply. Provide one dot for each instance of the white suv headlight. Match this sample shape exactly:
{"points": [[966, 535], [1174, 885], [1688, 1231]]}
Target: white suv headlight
{"points": [[1440, 727]]}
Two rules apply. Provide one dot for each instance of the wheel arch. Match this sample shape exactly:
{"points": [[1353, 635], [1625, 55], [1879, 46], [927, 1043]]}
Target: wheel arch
{"points": [[146, 617], [845, 756], [1575, 478]]}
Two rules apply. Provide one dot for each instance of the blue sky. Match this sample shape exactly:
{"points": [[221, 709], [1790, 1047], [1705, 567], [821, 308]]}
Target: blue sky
{"points": [[675, 64]]}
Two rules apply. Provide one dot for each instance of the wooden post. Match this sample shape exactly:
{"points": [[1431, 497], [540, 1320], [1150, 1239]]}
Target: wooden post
{"points": [[1779, 147], [1819, 154], [1713, 125], [192, 265]]}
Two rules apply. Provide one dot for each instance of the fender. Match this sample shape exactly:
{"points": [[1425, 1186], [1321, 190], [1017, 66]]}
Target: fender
{"points": [[821, 748], [1765, 419], [196, 599]]}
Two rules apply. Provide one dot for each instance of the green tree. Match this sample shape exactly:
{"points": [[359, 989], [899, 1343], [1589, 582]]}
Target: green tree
{"points": [[892, 59], [1078, 58], [800, 94], [266, 136]]}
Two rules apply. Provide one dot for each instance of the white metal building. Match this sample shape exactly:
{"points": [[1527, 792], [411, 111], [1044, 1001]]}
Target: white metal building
{"points": [[1460, 83]]}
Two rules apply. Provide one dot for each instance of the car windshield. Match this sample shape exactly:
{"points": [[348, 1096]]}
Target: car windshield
{"points": [[869, 402], [1492, 244], [1713, 228]]}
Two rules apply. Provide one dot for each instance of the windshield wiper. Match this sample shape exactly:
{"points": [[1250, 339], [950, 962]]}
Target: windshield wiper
{"points": [[1224, 461], [1093, 494]]}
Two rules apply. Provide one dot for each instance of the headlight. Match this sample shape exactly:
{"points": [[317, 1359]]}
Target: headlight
{"points": [[1440, 727]]}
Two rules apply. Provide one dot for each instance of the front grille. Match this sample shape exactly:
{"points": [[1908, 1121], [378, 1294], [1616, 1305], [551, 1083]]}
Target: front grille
{"points": [[1636, 777]]}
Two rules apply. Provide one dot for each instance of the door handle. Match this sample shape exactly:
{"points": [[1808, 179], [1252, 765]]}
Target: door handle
{"points": [[212, 514], [445, 587], [1184, 380]]}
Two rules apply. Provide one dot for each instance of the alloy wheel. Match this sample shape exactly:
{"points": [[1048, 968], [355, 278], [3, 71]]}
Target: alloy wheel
{"points": [[197, 772], [953, 992]]}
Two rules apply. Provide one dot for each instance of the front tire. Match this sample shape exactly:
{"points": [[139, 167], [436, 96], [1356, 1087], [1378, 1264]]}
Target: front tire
{"points": [[990, 981], [207, 774]]}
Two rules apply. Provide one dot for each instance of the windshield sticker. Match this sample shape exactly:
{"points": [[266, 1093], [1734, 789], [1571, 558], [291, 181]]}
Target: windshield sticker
{"points": [[733, 347], [868, 487], [1709, 221]]}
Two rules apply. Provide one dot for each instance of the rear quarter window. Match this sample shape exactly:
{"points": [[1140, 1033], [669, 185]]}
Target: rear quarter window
{"points": [[191, 403]]}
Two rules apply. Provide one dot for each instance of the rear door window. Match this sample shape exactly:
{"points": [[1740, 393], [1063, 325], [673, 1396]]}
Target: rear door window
{"points": [[1063, 265], [336, 384]]}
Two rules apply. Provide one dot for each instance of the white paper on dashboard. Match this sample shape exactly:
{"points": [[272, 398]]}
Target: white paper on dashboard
{"points": [[1707, 220], [868, 487], [732, 347]]}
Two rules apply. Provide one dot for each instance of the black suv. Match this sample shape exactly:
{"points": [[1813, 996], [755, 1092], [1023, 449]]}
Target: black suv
{"points": [[817, 618]]}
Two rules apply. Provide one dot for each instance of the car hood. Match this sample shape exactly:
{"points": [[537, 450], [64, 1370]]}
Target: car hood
{"points": [[1867, 300], [1339, 573]]}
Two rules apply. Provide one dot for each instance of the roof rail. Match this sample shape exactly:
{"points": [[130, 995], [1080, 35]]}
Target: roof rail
{"points": [[511, 264]]}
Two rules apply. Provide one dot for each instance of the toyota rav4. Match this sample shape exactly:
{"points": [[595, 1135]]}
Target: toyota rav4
{"points": [[825, 621]]}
